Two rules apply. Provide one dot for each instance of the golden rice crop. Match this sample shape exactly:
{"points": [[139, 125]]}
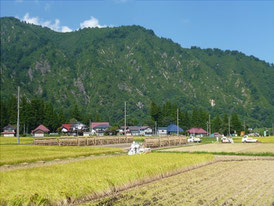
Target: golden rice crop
{"points": [[67, 182], [13, 140], [13, 154], [237, 147], [229, 183]]}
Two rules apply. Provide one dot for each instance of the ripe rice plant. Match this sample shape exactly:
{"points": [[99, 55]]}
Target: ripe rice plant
{"points": [[64, 183], [224, 183], [13, 140], [14, 154], [242, 148]]}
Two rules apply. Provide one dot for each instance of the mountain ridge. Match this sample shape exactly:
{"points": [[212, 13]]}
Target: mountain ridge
{"points": [[99, 69]]}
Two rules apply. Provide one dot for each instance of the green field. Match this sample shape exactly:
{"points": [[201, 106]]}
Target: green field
{"points": [[64, 183], [13, 154]]}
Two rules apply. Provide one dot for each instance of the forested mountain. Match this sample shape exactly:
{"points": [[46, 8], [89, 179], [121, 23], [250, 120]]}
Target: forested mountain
{"points": [[100, 68]]}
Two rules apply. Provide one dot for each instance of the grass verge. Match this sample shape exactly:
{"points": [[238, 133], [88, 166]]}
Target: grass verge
{"points": [[63, 184], [14, 154]]}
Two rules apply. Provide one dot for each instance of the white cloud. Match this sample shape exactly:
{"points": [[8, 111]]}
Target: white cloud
{"points": [[28, 19], [55, 26], [91, 23], [66, 29]]}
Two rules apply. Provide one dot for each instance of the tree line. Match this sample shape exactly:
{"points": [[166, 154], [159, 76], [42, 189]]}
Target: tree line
{"points": [[36, 112], [166, 114]]}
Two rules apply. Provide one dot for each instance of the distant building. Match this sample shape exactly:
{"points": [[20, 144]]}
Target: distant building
{"points": [[99, 128], [197, 131], [162, 131], [40, 131], [65, 128], [173, 128], [9, 131], [145, 131]]}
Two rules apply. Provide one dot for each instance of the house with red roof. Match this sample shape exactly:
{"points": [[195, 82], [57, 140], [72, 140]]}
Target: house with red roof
{"points": [[197, 131], [9, 131], [40, 131], [99, 128], [66, 128]]}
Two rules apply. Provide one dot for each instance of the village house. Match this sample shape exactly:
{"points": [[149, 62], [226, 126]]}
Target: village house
{"points": [[99, 128], [145, 131], [40, 131], [9, 131], [197, 132], [162, 131], [65, 128], [173, 128]]}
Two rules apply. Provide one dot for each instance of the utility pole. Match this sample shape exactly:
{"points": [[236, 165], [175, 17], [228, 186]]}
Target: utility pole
{"points": [[155, 128], [125, 118], [18, 111], [209, 126], [229, 126], [177, 122]]}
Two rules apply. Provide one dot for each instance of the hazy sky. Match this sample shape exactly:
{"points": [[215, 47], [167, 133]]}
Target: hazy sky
{"points": [[246, 26]]}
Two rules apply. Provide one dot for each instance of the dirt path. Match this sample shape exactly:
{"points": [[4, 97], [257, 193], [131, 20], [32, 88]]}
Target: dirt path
{"points": [[25, 165]]}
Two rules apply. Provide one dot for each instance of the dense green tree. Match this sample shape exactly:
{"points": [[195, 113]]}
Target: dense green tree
{"points": [[236, 124], [155, 112], [75, 113], [225, 125], [12, 110], [217, 124]]}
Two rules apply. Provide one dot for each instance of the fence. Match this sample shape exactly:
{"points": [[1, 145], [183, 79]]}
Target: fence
{"points": [[164, 141], [83, 141]]}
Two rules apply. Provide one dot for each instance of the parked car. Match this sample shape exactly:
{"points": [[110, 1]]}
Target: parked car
{"points": [[194, 139], [226, 140], [247, 139]]}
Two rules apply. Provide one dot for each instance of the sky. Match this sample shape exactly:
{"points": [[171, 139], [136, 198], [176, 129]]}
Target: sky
{"points": [[246, 26]]}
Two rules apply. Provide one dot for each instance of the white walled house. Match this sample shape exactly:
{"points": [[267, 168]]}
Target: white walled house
{"points": [[162, 131], [145, 131], [40, 131], [9, 131]]}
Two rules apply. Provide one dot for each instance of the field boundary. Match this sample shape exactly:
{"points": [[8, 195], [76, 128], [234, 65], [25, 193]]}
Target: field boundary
{"points": [[43, 163], [264, 154], [117, 190]]}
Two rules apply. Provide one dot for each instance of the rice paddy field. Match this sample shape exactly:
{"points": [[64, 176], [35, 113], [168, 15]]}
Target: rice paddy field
{"points": [[14, 154], [66, 183], [252, 148], [223, 183], [268, 139], [13, 140]]}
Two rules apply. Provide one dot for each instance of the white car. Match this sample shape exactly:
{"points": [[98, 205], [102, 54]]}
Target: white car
{"points": [[193, 139], [247, 139], [226, 140]]}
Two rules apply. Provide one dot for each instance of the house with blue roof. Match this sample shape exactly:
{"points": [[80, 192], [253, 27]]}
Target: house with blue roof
{"points": [[173, 128]]}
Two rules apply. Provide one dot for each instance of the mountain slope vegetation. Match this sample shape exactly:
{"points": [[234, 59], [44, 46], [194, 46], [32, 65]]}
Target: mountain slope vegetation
{"points": [[100, 68]]}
